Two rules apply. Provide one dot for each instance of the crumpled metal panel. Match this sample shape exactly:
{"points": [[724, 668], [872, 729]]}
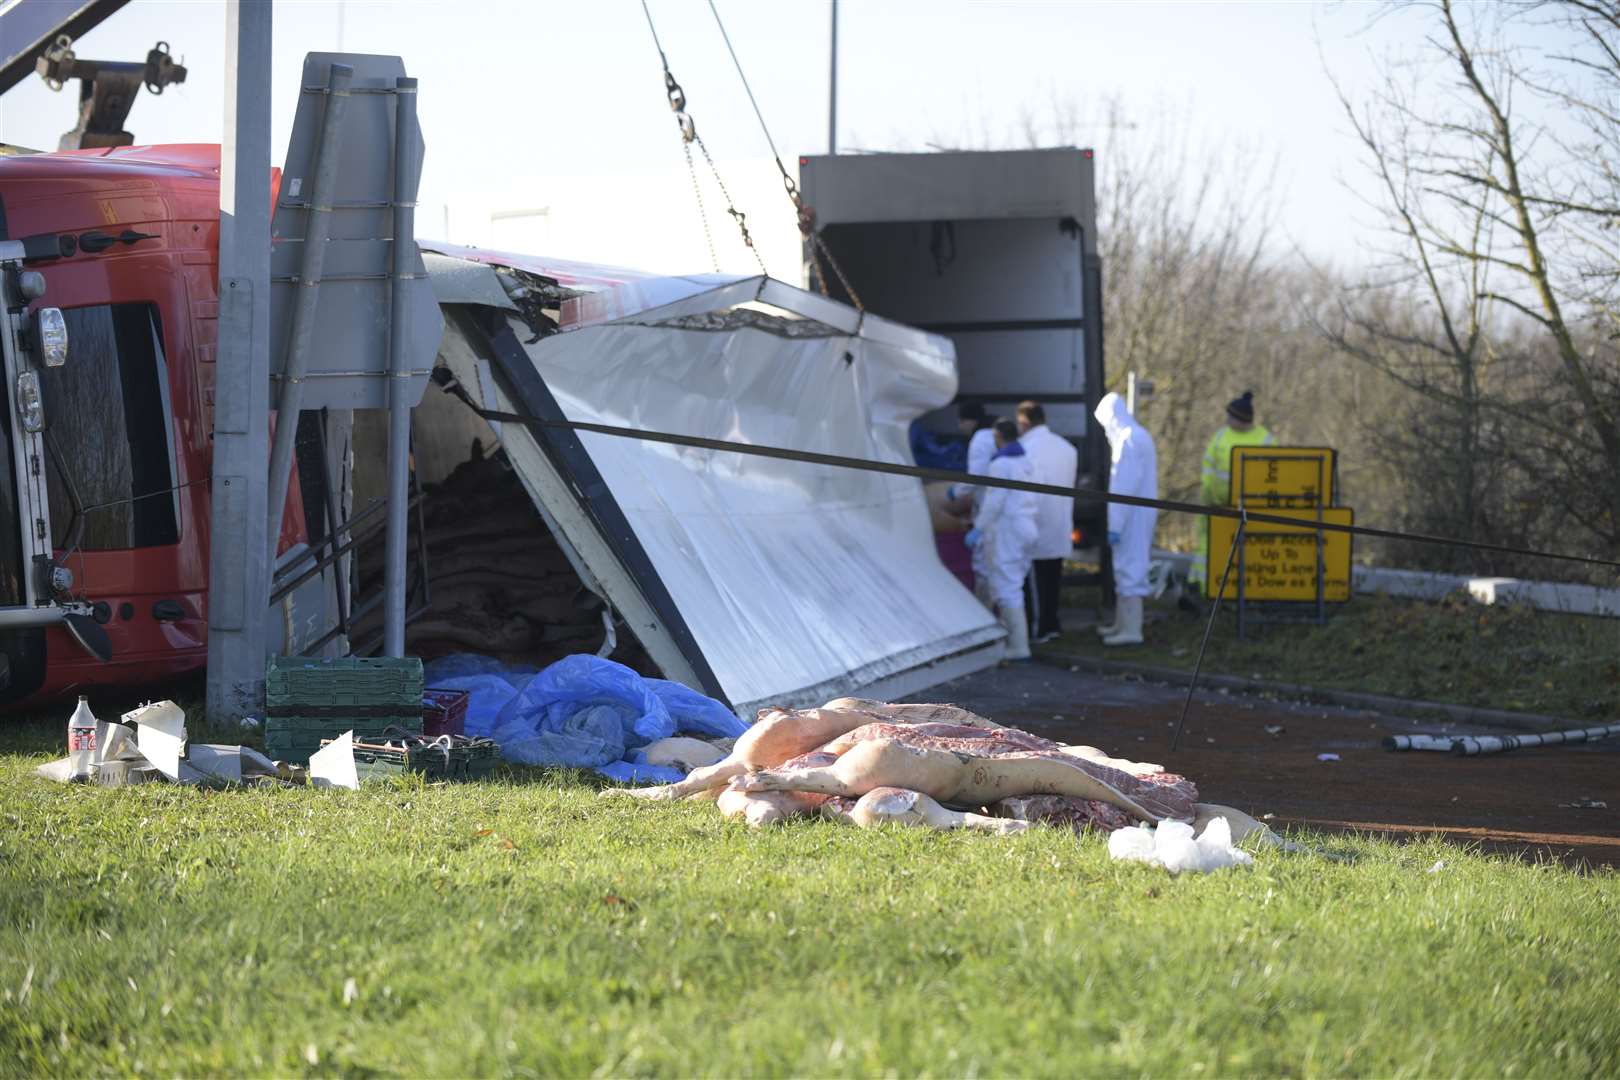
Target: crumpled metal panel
{"points": [[462, 281], [567, 272], [799, 582]]}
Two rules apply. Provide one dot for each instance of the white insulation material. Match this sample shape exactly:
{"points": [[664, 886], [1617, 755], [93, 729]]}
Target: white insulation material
{"points": [[799, 582]]}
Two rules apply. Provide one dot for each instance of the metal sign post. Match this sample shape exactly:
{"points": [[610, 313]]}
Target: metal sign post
{"points": [[237, 572], [358, 324], [406, 267]]}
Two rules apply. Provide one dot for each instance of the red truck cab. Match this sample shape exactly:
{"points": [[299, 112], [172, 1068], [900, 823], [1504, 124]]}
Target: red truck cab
{"points": [[127, 243]]}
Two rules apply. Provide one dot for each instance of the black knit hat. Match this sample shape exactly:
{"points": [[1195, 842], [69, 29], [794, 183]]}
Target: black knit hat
{"points": [[1242, 409]]}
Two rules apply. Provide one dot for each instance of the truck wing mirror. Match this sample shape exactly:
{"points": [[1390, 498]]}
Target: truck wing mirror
{"points": [[90, 636]]}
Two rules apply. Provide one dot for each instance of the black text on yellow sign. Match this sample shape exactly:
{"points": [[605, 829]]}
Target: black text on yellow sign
{"points": [[1279, 561], [1281, 477]]}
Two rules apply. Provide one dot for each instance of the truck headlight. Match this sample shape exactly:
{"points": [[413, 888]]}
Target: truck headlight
{"points": [[50, 330], [30, 409]]}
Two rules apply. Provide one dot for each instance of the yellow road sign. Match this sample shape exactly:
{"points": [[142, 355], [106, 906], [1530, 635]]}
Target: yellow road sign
{"points": [[1281, 477], [1278, 562]]}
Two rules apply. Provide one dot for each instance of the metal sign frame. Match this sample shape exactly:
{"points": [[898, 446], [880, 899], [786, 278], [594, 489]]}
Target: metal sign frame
{"points": [[1323, 463]]}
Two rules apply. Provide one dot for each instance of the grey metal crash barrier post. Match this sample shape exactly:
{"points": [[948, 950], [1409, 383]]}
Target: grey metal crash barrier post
{"points": [[237, 572], [399, 399]]}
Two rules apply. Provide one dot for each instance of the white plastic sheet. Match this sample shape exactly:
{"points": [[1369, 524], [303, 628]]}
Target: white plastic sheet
{"points": [[799, 582], [1172, 845]]}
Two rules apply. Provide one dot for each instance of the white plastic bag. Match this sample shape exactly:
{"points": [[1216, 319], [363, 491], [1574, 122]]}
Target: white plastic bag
{"points": [[1173, 846]]}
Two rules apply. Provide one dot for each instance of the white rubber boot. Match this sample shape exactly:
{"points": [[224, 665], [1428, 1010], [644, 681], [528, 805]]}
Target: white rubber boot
{"points": [[1017, 644], [1128, 630]]}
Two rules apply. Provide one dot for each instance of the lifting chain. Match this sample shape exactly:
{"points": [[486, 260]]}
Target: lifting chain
{"points": [[812, 238], [689, 136], [806, 215]]}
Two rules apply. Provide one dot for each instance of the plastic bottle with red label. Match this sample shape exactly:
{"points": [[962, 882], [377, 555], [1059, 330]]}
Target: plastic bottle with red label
{"points": [[82, 740]]}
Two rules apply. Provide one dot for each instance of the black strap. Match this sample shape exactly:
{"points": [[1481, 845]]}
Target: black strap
{"points": [[949, 476]]}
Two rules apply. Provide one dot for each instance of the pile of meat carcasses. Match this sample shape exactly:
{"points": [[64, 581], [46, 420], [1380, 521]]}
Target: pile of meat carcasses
{"points": [[934, 765]]}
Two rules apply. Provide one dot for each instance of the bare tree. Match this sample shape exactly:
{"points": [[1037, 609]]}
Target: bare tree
{"points": [[1500, 300]]}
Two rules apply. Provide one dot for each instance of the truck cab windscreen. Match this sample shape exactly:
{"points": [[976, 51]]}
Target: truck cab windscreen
{"points": [[108, 409]]}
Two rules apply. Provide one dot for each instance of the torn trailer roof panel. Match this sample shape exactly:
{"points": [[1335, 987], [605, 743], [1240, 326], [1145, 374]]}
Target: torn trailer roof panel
{"points": [[766, 581], [585, 277]]}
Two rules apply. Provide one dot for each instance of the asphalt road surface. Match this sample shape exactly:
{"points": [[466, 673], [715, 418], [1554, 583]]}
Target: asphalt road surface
{"points": [[1261, 756]]}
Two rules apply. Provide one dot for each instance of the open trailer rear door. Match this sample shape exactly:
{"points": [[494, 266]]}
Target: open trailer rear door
{"points": [[756, 580]]}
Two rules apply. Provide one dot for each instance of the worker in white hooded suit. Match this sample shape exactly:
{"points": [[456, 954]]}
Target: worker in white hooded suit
{"points": [[1134, 471], [1004, 529]]}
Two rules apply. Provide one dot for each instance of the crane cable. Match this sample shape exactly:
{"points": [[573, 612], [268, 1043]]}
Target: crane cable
{"points": [[689, 135], [806, 214]]}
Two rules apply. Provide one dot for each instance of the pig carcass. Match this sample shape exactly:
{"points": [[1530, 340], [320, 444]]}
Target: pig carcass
{"points": [[782, 734], [977, 772]]}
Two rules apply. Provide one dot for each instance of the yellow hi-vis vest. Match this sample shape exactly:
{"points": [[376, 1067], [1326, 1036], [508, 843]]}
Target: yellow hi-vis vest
{"points": [[1215, 483]]}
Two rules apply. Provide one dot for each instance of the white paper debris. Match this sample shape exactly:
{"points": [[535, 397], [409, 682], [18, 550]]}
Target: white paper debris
{"points": [[154, 748], [60, 770], [219, 762], [160, 731], [1327, 757], [114, 742], [1172, 846], [256, 764], [333, 764]]}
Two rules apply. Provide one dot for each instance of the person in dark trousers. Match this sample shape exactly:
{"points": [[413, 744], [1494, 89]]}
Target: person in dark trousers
{"points": [[1055, 462]]}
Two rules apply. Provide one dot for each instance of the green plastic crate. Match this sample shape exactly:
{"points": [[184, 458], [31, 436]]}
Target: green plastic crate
{"points": [[301, 685], [308, 701]]}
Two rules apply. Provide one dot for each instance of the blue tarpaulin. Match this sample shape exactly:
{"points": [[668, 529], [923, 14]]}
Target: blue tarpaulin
{"points": [[583, 711]]}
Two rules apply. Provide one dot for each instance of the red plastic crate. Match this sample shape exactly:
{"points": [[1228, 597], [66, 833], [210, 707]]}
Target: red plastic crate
{"points": [[444, 712]]}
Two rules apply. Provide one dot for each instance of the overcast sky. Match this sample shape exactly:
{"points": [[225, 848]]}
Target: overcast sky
{"points": [[517, 91]]}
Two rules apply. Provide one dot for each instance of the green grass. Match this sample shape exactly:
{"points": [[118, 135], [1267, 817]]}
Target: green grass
{"points": [[526, 926], [1458, 651]]}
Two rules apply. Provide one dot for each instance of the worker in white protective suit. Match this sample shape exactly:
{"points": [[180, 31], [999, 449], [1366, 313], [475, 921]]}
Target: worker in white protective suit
{"points": [[1004, 527], [1056, 462], [1134, 471], [978, 427]]}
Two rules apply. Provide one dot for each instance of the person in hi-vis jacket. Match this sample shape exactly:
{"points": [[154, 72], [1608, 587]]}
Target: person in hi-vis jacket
{"points": [[1215, 481]]}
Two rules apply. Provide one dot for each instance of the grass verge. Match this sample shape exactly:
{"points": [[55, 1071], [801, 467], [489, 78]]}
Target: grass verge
{"points": [[1457, 651], [526, 926]]}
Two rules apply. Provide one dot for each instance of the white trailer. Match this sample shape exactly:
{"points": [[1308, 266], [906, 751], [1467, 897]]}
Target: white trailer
{"points": [[996, 250]]}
